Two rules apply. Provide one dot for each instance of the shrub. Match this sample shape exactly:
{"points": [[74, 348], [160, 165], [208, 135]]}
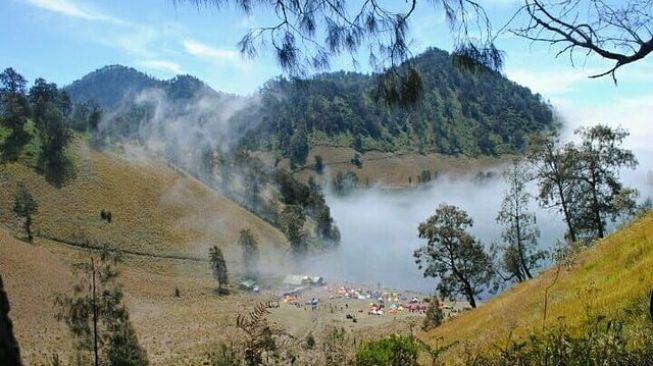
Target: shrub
{"points": [[226, 355], [602, 343], [434, 315], [392, 351], [310, 341]]}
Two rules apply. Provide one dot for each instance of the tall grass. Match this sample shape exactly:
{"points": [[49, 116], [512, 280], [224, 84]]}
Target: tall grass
{"points": [[603, 281]]}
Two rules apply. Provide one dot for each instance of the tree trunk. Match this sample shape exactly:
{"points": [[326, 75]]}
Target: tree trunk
{"points": [[28, 228], [95, 316], [520, 248], [597, 207], [470, 294], [597, 214], [565, 210]]}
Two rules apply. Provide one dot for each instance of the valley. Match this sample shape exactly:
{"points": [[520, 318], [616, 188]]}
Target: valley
{"points": [[432, 208]]}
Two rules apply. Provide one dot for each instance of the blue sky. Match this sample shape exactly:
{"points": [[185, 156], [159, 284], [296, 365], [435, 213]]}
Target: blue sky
{"points": [[61, 40]]}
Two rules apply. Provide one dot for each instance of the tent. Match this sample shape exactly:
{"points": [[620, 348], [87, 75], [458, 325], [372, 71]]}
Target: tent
{"points": [[248, 285], [317, 281], [295, 291]]}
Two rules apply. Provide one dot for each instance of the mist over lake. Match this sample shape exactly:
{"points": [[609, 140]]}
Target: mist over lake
{"points": [[379, 226]]}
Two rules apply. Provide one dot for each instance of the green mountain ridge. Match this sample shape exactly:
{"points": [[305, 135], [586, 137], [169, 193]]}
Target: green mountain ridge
{"points": [[114, 85], [459, 112]]}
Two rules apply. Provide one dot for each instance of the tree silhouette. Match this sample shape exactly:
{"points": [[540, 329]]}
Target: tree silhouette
{"points": [[14, 111], [219, 267], [617, 31], [25, 206], [452, 255], [96, 316], [600, 158], [9, 350], [519, 231]]}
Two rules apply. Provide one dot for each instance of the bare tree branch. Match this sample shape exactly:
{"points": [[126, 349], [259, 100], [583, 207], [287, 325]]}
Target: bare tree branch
{"points": [[618, 31], [308, 33]]}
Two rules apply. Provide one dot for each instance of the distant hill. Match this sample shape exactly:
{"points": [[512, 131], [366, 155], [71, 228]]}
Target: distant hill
{"points": [[460, 112], [115, 84], [110, 85]]}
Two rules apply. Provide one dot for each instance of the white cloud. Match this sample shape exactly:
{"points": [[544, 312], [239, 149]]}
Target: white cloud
{"points": [[162, 65], [204, 51], [135, 40], [71, 9], [634, 113], [550, 83]]}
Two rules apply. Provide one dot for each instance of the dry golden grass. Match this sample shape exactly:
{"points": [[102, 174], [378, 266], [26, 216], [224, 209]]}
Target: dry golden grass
{"points": [[604, 280], [154, 209], [392, 169], [173, 330], [32, 278]]}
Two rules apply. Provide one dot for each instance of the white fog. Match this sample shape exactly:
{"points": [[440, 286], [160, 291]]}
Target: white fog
{"points": [[379, 227]]}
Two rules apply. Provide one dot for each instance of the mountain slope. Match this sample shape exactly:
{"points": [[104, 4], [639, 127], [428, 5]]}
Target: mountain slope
{"points": [[174, 330], [459, 112], [606, 279], [154, 209]]}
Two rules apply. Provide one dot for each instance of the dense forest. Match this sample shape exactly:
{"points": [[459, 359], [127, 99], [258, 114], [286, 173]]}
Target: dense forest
{"points": [[459, 113], [114, 86]]}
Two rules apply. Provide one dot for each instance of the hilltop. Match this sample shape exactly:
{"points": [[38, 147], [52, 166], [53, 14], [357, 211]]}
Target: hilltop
{"points": [[113, 86], [459, 113]]}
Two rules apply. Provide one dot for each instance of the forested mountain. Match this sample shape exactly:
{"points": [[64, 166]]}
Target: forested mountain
{"points": [[459, 112], [114, 85]]}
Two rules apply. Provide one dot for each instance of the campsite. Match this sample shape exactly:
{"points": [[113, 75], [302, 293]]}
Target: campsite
{"points": [[305, 304]]}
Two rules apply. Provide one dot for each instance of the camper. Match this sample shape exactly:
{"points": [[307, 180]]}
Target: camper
{"points": [[249, 285]]}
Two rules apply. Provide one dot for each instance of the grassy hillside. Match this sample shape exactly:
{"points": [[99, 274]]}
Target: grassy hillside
{"points": [[392, 170], [154, 209], [174, 331], [164, 219], [607, 279]]}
